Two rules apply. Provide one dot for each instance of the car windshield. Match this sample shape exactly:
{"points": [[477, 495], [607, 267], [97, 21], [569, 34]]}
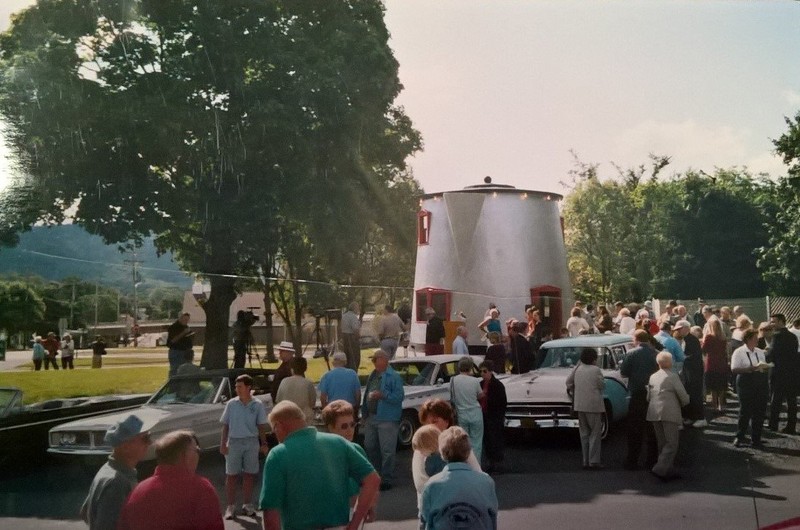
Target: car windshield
{"points": [[415, 373], [565, 357], [10, 401], [187, 390]]}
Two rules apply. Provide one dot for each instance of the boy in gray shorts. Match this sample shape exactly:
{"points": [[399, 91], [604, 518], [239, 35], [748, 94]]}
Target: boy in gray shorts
{"points": [[243, 436]]}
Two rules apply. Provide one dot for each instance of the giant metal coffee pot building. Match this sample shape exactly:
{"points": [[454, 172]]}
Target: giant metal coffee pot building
{"points": [[490, 243]]}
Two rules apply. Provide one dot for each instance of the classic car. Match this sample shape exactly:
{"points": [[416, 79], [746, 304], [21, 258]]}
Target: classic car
{"points": [[424, 378], [539, 399], [193, 402], [23, 428]]}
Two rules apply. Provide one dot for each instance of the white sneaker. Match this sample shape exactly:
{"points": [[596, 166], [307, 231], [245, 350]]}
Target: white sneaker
{"points": [[229, 512], [248, 510], [699, 424]]}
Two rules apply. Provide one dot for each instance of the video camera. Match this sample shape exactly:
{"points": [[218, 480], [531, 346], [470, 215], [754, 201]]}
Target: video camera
{"points": [[247, 318]]}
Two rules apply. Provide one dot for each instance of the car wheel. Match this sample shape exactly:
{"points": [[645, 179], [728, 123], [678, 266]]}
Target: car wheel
{"points": [[606, 421], [409, 423]]}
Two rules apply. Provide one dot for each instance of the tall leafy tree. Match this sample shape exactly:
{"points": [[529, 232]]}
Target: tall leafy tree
{"points": [[780, 257], [21, 307], [206, 123]]}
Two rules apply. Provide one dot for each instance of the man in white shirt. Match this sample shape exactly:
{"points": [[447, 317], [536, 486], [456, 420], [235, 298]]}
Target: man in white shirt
{"points": [[460, 343], [748, 363]]}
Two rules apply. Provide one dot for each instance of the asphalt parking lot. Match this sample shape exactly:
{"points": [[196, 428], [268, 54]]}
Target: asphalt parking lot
{"points": [[545, 487]]}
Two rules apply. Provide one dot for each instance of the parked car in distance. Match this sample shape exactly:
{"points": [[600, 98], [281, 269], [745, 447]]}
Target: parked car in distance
{"points": [[539, 399], [191, 402], [424, 378]]}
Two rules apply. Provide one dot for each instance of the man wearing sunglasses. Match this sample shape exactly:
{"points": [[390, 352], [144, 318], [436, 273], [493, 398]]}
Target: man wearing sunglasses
{"points": [[117, 478]]}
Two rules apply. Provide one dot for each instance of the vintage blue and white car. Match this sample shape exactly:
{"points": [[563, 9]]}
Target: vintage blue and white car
{"points": [[539, 399], [424, 378], [193, 402]]}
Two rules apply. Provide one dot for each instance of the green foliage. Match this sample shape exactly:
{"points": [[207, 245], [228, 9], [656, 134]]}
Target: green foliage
{"points": [[21, 307], [780, 257], [245, 135], [636, 235]]}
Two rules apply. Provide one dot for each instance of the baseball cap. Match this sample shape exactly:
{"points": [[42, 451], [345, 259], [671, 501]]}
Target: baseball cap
{"points": [[680, 324], [123, 431]]}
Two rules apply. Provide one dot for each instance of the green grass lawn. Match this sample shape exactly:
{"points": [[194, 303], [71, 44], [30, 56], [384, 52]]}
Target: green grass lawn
{"points": [[126, 378], [42, 385], [108, 360]]}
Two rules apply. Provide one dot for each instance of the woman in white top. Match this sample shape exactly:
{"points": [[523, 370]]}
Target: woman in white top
{"points": [[67, 352], [465, 391], [627, 325], [576, 324], [297, 389]]}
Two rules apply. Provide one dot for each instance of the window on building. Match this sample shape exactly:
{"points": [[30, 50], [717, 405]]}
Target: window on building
{"points": [[423, 227], [438, 299]]}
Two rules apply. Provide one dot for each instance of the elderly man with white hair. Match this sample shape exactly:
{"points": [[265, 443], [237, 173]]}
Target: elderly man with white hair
{"points": [[458, 493], [460, 343], [665, 396], [340, 383]]}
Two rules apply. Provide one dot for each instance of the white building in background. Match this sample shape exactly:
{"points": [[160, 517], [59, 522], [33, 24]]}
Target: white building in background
{"points": [[490, 243]]}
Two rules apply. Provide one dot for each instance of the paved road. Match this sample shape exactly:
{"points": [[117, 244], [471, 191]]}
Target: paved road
{"points": [[545, 487]]}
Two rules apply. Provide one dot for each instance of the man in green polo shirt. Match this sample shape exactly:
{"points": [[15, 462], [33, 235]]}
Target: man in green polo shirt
{"points": [[299, 492]]}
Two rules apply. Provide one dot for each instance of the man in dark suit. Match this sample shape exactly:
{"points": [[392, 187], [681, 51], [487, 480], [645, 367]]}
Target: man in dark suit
{"points": [[638, 366], [434, 333], [692, 376], [522, 359], [785, 374]]}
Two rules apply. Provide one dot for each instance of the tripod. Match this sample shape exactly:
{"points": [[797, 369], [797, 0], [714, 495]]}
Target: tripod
{"points": [[252, 351]]}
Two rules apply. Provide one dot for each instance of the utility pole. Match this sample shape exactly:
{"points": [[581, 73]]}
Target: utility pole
{"points": [[72, 308], [135, 262]]}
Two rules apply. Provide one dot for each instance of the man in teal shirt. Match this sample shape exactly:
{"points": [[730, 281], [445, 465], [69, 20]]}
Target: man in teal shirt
{"points": [[306, 476]]}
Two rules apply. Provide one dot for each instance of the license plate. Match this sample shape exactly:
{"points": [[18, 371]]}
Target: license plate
{"points": [[528, 423]]}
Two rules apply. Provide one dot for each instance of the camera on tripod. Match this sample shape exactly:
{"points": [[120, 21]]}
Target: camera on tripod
{"points": [[247, 318]]}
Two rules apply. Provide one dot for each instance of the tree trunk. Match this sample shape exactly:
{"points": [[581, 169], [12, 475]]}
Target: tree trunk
{"points": [[217, 309]]}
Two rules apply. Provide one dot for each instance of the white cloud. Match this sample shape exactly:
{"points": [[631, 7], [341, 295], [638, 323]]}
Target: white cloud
{"points": [[792, 97], [767, 163]]}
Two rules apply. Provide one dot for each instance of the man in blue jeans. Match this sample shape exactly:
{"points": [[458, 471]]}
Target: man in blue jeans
{"points": [[381, 410]]}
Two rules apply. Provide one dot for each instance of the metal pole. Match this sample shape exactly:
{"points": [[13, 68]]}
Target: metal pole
{"points": [[96, 287], [72, 308]]}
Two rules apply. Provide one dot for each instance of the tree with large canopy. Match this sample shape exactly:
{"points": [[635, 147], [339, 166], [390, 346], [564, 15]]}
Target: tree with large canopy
{"points": [[216, 126]]}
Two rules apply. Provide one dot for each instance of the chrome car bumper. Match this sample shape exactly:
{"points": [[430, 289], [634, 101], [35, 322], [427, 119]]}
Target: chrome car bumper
{"points": [[533, 423]]}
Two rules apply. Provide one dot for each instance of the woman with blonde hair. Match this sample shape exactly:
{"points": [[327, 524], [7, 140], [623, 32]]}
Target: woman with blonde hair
{"points": [[717, 371]]}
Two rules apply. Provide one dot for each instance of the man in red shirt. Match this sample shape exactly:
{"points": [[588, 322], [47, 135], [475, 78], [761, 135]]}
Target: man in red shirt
{"points": [[175, 497], [51, 344]]}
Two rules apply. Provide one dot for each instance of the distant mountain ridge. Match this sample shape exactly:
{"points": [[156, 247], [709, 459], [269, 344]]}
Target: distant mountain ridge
{"points": [[59, 252]]}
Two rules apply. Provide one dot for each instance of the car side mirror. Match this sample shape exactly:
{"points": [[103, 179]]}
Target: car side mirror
{"points": [[440, 381], [223, 399]]}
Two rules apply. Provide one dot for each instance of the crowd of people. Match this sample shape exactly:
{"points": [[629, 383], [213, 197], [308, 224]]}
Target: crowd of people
{"points": [[705, 355], [672, 371]]}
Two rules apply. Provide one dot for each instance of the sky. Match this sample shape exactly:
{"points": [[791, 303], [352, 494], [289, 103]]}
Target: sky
{"points": [[508, 88]]}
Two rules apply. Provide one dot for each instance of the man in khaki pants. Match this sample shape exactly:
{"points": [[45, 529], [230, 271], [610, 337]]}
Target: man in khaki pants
{"points": [[666, 396]]}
